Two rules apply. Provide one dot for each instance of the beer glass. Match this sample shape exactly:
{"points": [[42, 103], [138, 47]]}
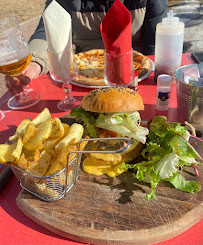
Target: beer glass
{"points": [[14, 58], [63, 68]]}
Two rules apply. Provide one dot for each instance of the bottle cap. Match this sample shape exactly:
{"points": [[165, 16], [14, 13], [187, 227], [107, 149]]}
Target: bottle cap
{"points": [[170, 25], [170, 19], [164, 78]]}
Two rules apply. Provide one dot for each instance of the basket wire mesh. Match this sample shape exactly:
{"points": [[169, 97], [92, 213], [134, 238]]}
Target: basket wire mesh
{"points": [[55, 187]]}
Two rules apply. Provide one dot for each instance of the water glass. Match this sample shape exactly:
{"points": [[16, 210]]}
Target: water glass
{"points": [[118, 69], [63, 68]]}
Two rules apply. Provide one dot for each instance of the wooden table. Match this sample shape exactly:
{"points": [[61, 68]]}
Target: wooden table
{"points": [[16, 228]]}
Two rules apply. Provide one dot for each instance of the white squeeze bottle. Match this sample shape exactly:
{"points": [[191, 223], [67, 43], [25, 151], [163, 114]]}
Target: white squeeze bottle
{"points": [[168, 45], [163, 92]]}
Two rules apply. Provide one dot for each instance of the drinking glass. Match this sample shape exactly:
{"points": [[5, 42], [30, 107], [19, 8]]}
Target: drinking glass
{"points": [[63, 68], [14, 58], [118, 69]]}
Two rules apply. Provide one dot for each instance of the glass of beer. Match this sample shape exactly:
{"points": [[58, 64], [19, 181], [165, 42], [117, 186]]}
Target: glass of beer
{"points": [[14, 58]]}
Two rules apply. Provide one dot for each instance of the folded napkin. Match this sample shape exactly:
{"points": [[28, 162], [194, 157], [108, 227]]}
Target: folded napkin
{"points": [[117, 37], [58, 28]]}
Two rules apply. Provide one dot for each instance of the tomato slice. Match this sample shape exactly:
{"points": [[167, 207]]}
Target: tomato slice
{"points": [[106, 133]]}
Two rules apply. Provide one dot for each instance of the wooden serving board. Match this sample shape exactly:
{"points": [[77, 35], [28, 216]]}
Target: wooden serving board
{"points": [[101, 210]]}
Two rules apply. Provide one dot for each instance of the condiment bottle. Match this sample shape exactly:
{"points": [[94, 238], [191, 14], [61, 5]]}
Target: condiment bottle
{"points": [[163, 92], [168, 45]]}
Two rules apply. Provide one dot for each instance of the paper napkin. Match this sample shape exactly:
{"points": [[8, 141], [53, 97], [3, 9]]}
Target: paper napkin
{"points": [[117, 37], [116, 29], [58, 28]]}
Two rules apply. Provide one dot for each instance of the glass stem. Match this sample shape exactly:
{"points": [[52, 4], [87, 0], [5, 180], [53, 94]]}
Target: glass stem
{"points": [[23, 95], [68, 91]]}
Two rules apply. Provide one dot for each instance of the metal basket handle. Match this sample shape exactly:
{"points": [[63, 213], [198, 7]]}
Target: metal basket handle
{"points": [[79, 152]]}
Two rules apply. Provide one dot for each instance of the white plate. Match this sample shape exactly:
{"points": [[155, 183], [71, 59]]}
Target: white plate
{"points": [[149, 72], [139, 80]]}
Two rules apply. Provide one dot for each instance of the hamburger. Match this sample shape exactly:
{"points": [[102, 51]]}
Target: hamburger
{"points": [[111, 112]]}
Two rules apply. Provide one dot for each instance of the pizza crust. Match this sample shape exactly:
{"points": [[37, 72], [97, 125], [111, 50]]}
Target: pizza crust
{"points": [[144, 64], [91, 66], [89, 81]]}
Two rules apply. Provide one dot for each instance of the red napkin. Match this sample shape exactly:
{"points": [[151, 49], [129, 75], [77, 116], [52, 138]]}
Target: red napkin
{"points": [[117, 37]]}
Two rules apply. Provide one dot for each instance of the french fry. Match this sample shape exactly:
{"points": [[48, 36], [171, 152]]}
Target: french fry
{"points": [[22, 163], [37, 141], [27, 153], [83, 143], [20, 129], [60, 162], [30, 162], [17, 152], [45, 190], [74, 136], [51, 143], [42, 117], [41, 148], [6, 153], [62, 178], [57, 128], [66, 129], [49, 146], [42, 165], [29, 131]]}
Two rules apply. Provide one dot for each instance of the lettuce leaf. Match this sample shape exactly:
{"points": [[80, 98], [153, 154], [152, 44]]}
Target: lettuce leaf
{"points": [[182, 147], [179, 182], [166, 167], [126, 124], [177, 128], [88, 121], [165, 154]]}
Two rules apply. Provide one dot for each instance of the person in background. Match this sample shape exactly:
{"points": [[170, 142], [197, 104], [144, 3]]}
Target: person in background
{"points": [[86, 19]]}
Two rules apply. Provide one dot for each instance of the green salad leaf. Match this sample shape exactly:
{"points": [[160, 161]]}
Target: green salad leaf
{"points": [[166, 153], [179, 182], [87, 119]]}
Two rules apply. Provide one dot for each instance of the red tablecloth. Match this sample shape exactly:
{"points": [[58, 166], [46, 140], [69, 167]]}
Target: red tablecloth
{"points": [[15, 227]]}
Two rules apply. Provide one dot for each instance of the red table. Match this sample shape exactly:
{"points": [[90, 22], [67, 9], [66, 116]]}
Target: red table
{"points": [[15, 227]]}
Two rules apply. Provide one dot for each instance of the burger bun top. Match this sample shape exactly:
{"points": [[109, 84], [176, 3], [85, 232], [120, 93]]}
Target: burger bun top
{"points": [[108, 100]]}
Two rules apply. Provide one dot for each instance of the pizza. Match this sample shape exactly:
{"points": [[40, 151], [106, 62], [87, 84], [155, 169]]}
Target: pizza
{"points": [[91, 66]]}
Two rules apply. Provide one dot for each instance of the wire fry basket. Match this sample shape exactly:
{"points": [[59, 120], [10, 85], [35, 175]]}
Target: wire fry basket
{"points": [[55, 187]]}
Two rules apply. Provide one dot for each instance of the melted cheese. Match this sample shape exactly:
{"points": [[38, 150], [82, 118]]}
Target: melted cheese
{"points": [[98, 163], [96, 168]]}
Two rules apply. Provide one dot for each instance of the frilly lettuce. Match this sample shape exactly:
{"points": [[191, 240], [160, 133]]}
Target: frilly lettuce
{"points": [[166, 153], [167, 165]]}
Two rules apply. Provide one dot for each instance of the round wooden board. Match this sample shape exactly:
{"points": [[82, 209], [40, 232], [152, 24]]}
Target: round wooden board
{"points": [[102, 210]]}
